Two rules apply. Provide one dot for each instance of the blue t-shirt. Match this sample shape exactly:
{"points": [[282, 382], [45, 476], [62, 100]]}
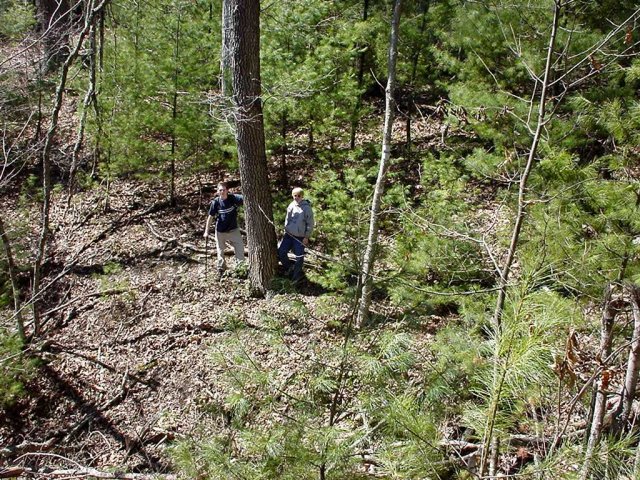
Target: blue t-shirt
{"points": [[227, 212]]}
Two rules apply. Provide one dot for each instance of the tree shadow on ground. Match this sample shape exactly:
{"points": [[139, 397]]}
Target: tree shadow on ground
{"points": [[65, 406], [281, 284]]}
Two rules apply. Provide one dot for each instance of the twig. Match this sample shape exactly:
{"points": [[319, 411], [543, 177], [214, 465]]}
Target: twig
{"points": [[119, 397], [112, 291], [55, 347]]}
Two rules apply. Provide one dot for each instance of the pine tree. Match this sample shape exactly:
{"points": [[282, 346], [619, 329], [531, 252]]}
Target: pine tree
{"points": [[244, 44]]}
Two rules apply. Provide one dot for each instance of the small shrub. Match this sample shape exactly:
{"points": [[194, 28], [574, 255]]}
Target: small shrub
{"points": [[15, 368], [231, 320]]}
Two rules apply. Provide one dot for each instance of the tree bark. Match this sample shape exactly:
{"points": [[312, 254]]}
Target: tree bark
{"points": [[6, 244], [244, 44], [610, 310], [631, 378], [54, 22], [369, 254]]}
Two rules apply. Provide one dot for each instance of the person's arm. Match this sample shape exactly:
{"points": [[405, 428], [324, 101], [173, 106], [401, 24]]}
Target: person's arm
{"points": [[206, 227], [213, 210], [309, 224]]}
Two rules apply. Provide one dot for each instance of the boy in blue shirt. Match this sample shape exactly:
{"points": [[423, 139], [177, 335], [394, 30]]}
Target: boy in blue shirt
{"points": [[224, 208]]}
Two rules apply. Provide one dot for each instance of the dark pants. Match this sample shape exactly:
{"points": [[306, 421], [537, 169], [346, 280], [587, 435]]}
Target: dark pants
{"points": [[288, 243]]}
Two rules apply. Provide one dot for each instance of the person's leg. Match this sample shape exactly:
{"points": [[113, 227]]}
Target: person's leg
{"points": [[283, 251], [220, 241], [298, 251], [235, 238]]}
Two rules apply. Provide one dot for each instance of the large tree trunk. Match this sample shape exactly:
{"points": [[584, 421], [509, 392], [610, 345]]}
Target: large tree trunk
{"points": [[244, 51], [372, 241]]}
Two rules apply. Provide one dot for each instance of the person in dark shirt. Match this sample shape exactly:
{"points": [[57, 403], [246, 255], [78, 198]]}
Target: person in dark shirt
{"points": [[224, 208]]}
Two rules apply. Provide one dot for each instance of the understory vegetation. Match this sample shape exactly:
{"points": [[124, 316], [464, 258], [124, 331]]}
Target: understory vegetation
{"points": [[504, 334]]}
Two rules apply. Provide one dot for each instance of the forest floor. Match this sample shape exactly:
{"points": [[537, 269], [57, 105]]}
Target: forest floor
{"points": [[130, 327]]}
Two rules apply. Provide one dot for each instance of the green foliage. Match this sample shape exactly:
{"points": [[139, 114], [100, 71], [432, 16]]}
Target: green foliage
{"points": [[342, 217], [308, 68], [30, 191], [15, 368], [287, 314], [443, 233], [458, 366], [159, 56], [17, 17], [342, 221], [285, 423], [614, 458], [437, 248], [6, 295], [519, 378], [232, 320], [422, 64], [414, 452]]}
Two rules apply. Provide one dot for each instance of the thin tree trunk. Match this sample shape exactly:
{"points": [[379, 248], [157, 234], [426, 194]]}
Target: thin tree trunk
{"points": [[96, 108], [88, 99], [13, 276], [283, 153], [631, 378], [520, 214], [225, 54], [54, 22], [369, 254], [38, 132], [100, 50], [519, 219], [174, 113], [414, 71], [609, 313], [493, 457], [46, 163], [361, 61], [490, 445], [244, 43]]}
